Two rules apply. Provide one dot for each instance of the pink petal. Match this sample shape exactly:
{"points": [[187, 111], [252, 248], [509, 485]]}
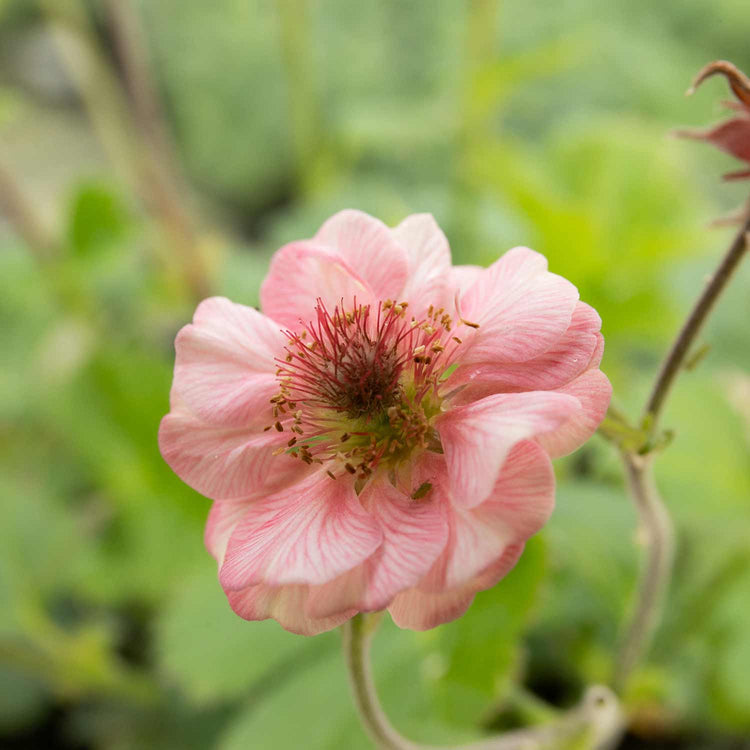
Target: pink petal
{"points": [[524, 494], [594, 391], [477, 437], [429, 259], [286, 605], [225, 463], [224, 370], [419, 610], [596, 357], [368, 246], [221, 522], [463, 277], [302, 272], [414, 534], [311, 532], [521, 309], [565, 360], [518, 506]]}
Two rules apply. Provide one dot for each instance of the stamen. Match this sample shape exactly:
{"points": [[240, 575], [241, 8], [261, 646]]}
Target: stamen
{"points": [[363, 377]]}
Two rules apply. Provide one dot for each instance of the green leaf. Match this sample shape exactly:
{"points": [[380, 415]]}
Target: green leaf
{"points": [[314, 709], [97, 220], [593, 560], [22, 701], [481, 649], [212, 654]]}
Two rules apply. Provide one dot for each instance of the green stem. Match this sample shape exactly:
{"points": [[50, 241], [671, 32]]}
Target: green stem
{"points": [[654, 520], [594, 724], [358, 633], [658, 539]]}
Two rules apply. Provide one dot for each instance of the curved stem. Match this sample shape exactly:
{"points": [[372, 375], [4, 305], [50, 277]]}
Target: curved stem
{"points": [[597, 720], [675, 359], [658, 538], [358, 633], [654, 520]]}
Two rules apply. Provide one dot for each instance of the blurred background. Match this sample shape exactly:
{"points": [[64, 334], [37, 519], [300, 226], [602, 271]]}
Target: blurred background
{"points": [[154, 152]]}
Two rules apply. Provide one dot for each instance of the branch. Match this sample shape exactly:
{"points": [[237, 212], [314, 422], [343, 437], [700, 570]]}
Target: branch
{"points": [[675, 359], [148, 117], [129, 139], [654, 520]]}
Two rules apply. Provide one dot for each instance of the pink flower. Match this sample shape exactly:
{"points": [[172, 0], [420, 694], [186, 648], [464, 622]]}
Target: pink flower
{"points": [[380, 435], [733, 135]]}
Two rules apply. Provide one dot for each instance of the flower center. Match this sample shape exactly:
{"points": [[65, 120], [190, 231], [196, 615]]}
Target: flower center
{"points": [[359, 388]]}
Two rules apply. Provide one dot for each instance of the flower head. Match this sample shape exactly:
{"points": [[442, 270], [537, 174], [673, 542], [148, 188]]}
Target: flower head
{"points": [[733, 135], [380, 435]]}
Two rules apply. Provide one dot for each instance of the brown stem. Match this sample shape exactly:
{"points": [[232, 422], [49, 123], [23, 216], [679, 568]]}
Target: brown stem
{"points": [[655, 523], [148, 115], [675, 359], [22, 216], [127, 130]]}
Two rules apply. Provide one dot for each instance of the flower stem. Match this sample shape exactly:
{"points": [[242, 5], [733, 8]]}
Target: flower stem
{"points": [[358, 633], [653, 516], [596, 723], [658, 538], [680, 349]]}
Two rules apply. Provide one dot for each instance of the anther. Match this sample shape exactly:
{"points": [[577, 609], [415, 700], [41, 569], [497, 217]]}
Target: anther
{"points": [[279, 427]]}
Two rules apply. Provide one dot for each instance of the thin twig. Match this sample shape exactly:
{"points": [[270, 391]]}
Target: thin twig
{"points": [[148, 116], [130, 141], [675, 359], [22, 216]]}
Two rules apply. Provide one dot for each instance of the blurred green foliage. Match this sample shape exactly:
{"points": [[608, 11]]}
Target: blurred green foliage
{"points": [[514, 123]]}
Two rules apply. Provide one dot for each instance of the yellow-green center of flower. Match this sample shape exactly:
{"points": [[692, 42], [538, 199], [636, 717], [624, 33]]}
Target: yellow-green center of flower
{"points": [[359, 388]]}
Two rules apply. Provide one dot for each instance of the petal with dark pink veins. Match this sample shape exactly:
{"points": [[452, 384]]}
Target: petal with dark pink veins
{"points": [[414, 534], [309, 533], [520, 308], [286, 605], [428, 282], [224, 368], [478, 437], [594, 392], [568, 357], [303, 272], [226, 463], [419, 610]]}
